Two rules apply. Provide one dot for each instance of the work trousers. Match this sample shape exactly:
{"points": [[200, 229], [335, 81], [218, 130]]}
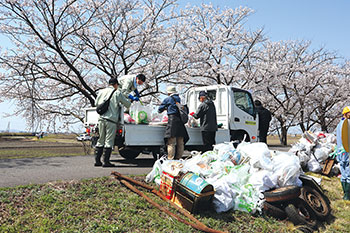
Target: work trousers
{"points": [[208, 138], [343, 159], [176, 147], [107, 131], [263, 135]]}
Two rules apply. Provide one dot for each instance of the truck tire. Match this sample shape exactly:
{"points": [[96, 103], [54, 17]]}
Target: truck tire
{"points": [[239, 135], [300, 213], [129, 154], [316, 201], [282, 194], [274, 211]]}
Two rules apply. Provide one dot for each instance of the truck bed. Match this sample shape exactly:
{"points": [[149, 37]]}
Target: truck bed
{"points": [[153, 135]]}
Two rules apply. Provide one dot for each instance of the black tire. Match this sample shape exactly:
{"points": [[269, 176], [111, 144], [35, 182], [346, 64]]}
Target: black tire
{"points": [[282, 194], [156, 154], [300, 213], [129, 154], [238, 135], [316, 201], [274, 211]]}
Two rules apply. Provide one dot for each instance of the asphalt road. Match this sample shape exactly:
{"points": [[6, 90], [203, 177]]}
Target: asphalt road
{"points": [[14, 172]]}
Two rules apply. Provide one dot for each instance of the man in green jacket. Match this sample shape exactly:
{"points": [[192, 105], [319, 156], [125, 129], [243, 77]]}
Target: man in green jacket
{"points": [[128, 83], [107, 122]]}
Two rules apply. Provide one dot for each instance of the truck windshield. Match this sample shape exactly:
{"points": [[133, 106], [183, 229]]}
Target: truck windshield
{"points": [[243, 101]]}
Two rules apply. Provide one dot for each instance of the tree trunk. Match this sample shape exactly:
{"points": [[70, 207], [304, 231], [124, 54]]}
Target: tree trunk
{"points": [[284, 135]]}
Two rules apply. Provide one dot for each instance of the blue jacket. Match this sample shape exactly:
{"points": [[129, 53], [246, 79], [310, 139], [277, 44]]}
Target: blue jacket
{"points": [[170, 105]]}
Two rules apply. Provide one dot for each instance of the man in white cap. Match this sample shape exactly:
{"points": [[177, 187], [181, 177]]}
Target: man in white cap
{"points": [[176, 134]]}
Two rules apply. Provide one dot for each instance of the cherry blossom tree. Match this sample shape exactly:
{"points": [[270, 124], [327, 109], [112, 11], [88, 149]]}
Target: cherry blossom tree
{"points": [[216, 44], [288, 76], [65, 51]]}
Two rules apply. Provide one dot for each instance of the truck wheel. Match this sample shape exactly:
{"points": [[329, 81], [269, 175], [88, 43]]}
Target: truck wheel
{"points": [[274, 211], [239, 135], [316, 201], [129, 154], [300, 213], [282, 194]]}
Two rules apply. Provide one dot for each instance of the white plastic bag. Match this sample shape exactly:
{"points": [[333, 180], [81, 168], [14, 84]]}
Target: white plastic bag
{"points": [[142, 114], [313, 165], [286, 167], [258, 153], [263, 180], [154, 174]]}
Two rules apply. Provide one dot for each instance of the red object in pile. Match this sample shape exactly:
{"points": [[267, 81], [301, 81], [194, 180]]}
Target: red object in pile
{"points": [[166, 185]]}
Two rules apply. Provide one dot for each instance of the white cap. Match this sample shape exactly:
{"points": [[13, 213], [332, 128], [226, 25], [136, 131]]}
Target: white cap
{"points": [[171, 89]]}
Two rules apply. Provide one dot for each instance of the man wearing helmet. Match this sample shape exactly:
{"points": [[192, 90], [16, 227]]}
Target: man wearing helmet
{"points": [[343, 156]]}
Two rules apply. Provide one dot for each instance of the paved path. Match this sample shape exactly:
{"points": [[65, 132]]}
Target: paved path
{"points": [[14, 172]]}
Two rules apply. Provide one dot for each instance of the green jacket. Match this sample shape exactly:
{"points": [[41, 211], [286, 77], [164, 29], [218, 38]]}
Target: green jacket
{"points": [[114, 109], [127, 84]]}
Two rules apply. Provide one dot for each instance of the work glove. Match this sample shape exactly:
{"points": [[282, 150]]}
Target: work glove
{"points": [[192, 113], [137, 93], [133, 98]]}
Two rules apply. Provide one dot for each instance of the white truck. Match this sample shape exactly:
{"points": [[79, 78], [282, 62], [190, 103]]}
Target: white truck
{"points": [[235, 113]]}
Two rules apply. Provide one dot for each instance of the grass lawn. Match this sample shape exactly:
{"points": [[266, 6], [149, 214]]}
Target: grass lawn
{"points": [[105, 205], [24, 146]]}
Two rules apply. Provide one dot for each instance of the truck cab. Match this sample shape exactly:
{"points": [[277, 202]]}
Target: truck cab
{"points": [[234, 109]]}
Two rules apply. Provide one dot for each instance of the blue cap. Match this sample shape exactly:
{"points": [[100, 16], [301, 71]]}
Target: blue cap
{"points": [[202, 93]]}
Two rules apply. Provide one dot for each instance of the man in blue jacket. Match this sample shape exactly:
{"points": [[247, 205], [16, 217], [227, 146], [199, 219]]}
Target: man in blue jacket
{"points": [[176, 134], [206, 112], [343, 156]]}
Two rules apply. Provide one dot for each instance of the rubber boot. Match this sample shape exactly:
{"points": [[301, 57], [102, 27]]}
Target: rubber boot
{"points": [[98, 155], [106, 157], [347, 191]]}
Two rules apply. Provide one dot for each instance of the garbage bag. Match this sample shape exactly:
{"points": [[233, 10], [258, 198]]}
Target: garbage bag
{"points": [[234, 191], [155, 173], [258, 153], [128, 119], [321, 153], [142, 114], [313, 165], [263, 180], [286, 167]]}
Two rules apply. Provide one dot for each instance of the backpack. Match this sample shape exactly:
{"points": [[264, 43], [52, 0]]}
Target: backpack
{"points": [[182, 110], [102, 108]]}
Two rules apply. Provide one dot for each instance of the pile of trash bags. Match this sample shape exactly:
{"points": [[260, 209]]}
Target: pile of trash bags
{"points": [[239, 175], [313, 149]]}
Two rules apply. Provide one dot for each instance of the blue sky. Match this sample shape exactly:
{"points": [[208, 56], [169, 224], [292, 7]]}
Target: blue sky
{"points": [[325, 23]]}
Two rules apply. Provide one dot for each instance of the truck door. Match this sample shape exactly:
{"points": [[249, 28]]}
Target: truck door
{"points": [[243, 118]]}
